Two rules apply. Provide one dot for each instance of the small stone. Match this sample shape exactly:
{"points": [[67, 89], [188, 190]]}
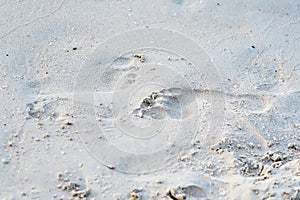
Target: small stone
{"points": [[59, 186], [265, 171], [183, 158], [277, 164], [207, 91], [291, 146], [141, 57], [270, 144], [224, 140], [110, 167], [276, 157], [66, 180], [81, 193], [134, 196], [10, 143], [80, 165], [251, 145], [59, 176], [175, 194], [68, 123]]}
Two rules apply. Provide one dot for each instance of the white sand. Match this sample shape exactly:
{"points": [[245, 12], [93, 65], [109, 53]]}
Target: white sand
{"points": [[175, 99]]}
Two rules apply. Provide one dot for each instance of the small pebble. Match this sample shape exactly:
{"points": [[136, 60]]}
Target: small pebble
{"points": [[276, 157], [68, 123], [59, 175], [251, 145], [10, 143], [291, 146]]}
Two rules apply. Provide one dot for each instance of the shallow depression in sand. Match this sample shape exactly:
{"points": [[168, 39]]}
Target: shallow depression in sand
{"points": [[144, 107], [139, 99]]}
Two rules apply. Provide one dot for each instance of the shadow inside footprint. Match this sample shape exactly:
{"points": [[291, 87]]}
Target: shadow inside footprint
{"points": [[161, 104]]}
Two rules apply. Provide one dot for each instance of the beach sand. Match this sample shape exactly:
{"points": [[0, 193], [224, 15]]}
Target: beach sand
{"points": [[176, 99]]}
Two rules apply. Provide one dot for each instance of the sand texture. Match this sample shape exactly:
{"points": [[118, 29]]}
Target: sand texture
{"points": [[138, 100]]}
